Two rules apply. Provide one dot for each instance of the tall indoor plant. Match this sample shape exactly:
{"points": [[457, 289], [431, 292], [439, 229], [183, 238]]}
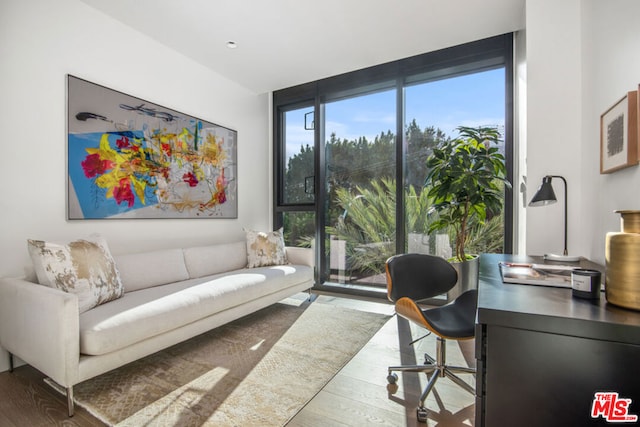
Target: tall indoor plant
{"points": [[466, 180]]}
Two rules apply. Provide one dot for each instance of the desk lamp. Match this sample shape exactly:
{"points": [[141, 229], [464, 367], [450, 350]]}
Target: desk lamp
{"points": [[546, 196]]}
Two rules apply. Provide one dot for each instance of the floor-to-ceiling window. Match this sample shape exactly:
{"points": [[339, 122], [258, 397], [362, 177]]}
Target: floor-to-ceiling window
{"points": [[343, 144], [360, 169], [433, 111]]}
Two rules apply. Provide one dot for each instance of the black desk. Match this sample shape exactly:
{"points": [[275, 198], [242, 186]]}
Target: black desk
{"points": [[543, 354]]}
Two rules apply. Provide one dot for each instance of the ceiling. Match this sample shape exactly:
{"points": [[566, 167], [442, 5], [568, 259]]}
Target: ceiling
{"points": [[282, 43]]}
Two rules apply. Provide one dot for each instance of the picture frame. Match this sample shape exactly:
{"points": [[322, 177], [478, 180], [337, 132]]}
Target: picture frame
{"points": [[619, 134], [128, 158]]}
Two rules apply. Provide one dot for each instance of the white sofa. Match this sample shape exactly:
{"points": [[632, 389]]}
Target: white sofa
{"points": [[170, 296]]}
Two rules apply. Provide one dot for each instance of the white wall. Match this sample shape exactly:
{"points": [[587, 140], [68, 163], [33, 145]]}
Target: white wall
{"points": [[40, 42], [554, 115], [611, 64], [582, 56]]}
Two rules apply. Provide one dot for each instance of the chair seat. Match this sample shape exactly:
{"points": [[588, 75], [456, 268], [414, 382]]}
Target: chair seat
{"points": [[455, 320], [417, 277]]}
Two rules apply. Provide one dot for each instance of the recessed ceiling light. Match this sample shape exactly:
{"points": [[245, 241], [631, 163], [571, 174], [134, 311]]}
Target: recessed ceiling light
{"points": [[231, 44]]}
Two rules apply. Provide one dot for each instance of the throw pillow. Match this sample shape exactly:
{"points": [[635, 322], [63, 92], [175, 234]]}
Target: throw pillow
{"points": [[83, 267], [265, 248]]}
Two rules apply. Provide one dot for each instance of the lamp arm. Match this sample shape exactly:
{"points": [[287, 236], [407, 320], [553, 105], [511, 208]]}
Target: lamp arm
{"points": [[566, 208]]}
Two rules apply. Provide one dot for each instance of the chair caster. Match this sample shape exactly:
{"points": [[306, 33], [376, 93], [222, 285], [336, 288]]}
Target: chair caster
{"points": [[392, 378], [421, 414]]}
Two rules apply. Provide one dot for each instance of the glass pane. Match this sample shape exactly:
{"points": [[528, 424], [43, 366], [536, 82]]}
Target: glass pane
{"points": [[299, 228], [433, 112], [299, 156], [360, 185]]}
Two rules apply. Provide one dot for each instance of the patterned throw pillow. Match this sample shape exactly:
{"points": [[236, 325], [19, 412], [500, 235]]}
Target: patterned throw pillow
{"points": [[264, 249], [83, 267]]}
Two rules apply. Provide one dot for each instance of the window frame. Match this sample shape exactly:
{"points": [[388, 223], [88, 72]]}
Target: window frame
{"points": [[463, 59]]}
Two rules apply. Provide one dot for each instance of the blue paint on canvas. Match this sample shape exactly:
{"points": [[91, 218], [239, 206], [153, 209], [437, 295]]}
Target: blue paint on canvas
{"points": [[92, 199]]}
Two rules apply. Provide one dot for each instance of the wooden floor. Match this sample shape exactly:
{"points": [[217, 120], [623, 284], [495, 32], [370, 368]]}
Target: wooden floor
{"points": [[358, 395], [25, 400]]}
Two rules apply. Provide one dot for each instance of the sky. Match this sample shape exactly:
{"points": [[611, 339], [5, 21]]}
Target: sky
{"points": [[470, 100]]}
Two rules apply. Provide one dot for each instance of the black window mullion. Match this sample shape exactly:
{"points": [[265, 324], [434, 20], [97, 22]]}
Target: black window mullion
{"points": [[508, 208], [321, 191], [401, 151]]}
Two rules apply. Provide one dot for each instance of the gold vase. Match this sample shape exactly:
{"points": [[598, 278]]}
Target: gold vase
{"points": [[622, 256]]}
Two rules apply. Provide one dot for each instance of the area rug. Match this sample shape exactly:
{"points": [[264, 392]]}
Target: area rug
{"points": [[258, 370]]}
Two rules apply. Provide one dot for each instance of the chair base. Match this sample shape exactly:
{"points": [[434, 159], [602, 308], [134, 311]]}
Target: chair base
{"points": [[438, 369]]}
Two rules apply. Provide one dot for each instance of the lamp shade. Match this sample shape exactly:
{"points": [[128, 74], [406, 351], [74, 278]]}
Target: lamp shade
{"points": [[545, 194]]}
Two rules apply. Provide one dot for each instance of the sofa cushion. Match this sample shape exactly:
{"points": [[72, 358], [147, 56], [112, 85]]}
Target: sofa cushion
{"points": [[83, 267], [265, 248], [149, 312], [208, 260], [148, 269]]}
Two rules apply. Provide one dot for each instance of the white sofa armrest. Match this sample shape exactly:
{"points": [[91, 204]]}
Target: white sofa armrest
{"points": [[300, 256], [40, 325]]}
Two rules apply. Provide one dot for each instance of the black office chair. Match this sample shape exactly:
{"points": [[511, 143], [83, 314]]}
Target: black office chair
{"points": [[416, 277]]}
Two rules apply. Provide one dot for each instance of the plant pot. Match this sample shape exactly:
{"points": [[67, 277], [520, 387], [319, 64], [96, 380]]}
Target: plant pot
{"points": [[468, 272], [622, 257]]}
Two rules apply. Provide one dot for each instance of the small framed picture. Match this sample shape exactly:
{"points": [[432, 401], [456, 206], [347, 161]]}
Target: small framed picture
{"points": [[619, 134]]}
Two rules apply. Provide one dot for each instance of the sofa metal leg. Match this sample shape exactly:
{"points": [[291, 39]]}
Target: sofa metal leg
{"points": [[70, 400], [10, 362]]}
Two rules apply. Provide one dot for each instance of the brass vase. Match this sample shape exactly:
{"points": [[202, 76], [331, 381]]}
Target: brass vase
{"points": [[622, 256]]}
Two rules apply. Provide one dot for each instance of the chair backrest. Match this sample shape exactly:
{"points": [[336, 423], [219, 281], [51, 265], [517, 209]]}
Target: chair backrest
{"points": [[418, 276]]}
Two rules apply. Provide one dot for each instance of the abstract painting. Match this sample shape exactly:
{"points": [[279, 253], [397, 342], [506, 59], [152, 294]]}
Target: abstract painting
{"points": [[129, 158]]}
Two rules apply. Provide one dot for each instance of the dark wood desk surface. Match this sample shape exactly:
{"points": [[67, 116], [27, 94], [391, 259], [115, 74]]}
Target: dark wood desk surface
{"points": [[550, 309], [542, 354]]}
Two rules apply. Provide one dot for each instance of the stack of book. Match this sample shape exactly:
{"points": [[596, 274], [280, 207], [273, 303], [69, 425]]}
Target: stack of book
{"points": [[557, 275]]}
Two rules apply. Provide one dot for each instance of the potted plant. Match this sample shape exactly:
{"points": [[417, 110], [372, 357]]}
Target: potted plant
{"points": [[465, 181]]}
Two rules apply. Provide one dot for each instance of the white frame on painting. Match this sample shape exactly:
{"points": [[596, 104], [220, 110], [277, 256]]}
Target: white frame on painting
{"points": [[619, 134]]}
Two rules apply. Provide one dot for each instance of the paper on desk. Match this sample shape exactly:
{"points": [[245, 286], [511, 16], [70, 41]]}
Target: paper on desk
{"points": [[557, 275]]}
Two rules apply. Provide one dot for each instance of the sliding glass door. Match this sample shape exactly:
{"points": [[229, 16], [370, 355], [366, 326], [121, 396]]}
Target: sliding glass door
{"points": [[359, 185]]}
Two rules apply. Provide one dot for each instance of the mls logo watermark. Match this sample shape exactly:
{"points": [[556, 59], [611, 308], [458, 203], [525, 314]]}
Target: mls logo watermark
{"points": [[612, 408]]}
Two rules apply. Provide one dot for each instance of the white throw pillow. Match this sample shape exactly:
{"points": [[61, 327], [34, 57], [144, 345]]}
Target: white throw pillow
{"points": [[83, 267], [265, 248]]}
